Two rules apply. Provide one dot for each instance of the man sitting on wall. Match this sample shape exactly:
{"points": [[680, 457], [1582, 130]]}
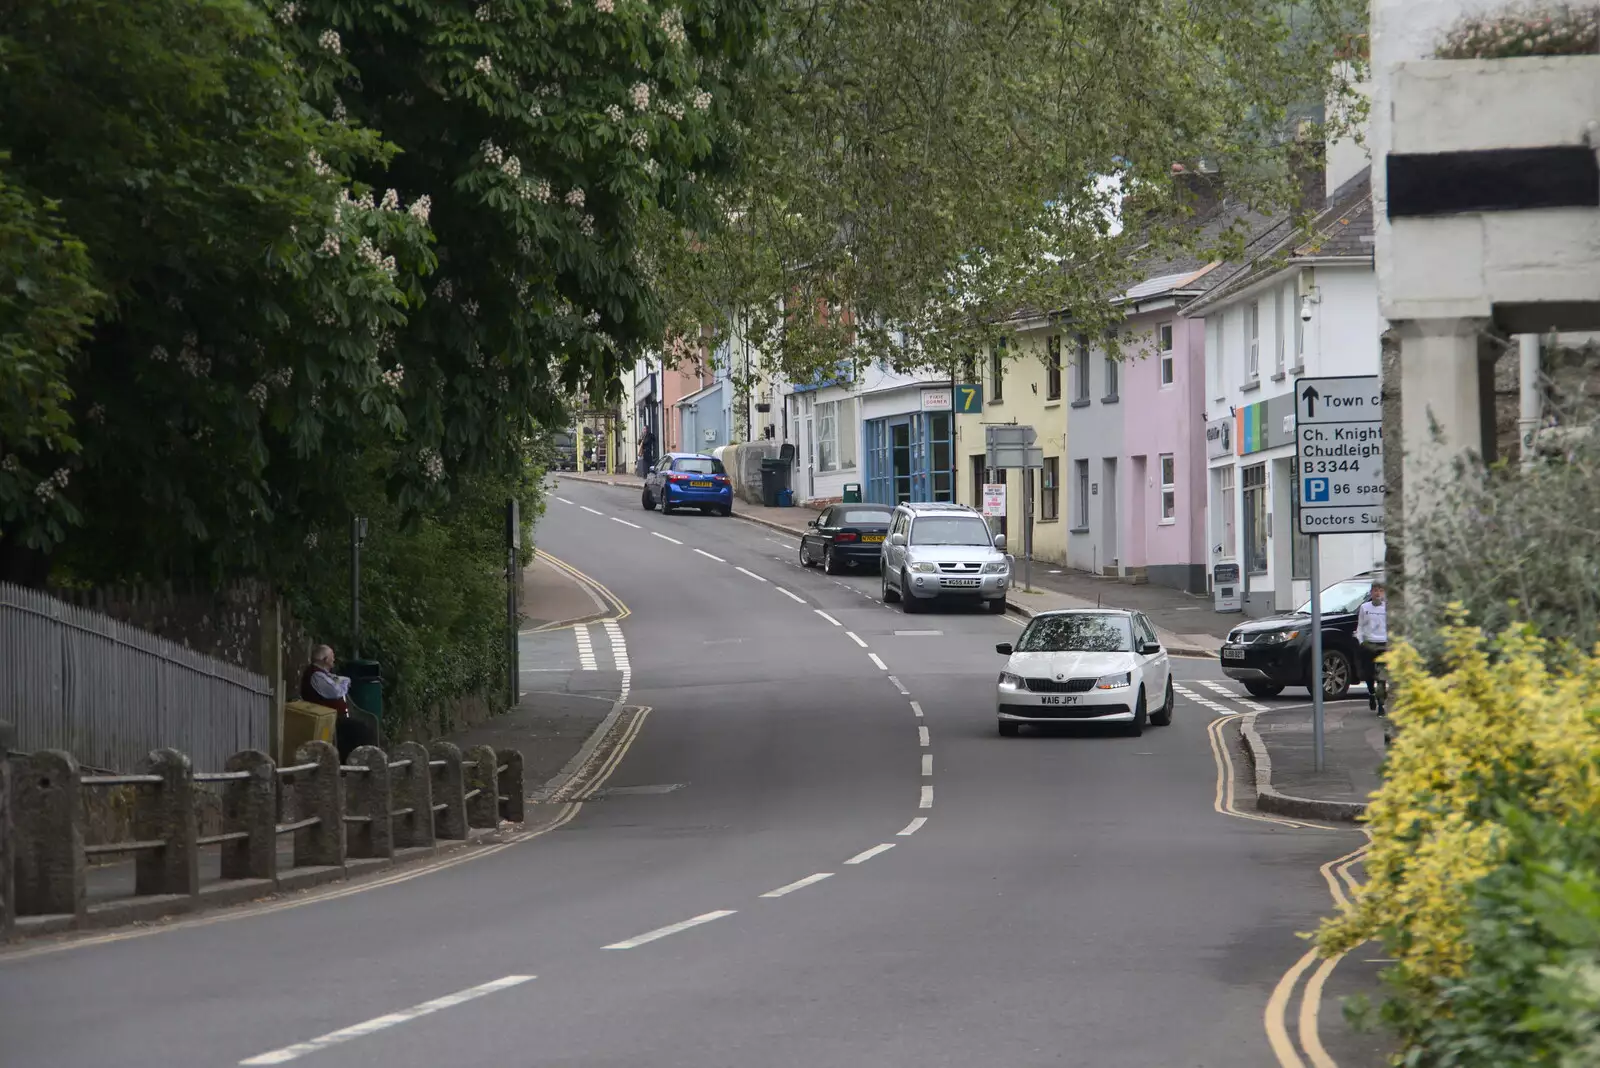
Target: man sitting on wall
{"points": [[320, 686]]}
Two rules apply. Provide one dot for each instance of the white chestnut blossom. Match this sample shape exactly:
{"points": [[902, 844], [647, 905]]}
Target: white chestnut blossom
{"points": [[586, 226], [575, 197], [159, 354], [543, 193], [673, 108], [702, 100], [512, 166], [470, 307], [536, 110], [318, 167], [484, 13], [671, 24], [329, 42], [639, 140], [444, 290], [485, 65], [391, 201], [395, 377], [492, 152], [258, 393], [286, 14], [614, 112], [330, 244], [282, 377], [338, 112], [11, 465], [605, 7], [640, 94], [420, 208], [432, 464], [97, 413], [311, 540]]}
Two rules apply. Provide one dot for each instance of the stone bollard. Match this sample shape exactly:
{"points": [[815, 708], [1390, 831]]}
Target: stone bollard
{"points": [[8, 898], [411, 791], [164, 812], [513, 797], [483, 789], [367, 805], [319, 793], [47, 842], [250, 806], [449, 792]]}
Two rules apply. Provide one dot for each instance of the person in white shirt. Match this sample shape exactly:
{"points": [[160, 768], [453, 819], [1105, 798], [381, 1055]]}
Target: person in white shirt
{"points": [[1372, 632]]}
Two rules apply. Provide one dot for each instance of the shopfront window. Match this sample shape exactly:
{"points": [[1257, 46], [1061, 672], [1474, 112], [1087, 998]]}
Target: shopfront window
{"points": [[941, 449], [1255, 519]]}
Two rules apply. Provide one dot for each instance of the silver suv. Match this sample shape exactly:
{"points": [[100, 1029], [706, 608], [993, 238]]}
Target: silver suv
{"points": [[943, 550]]}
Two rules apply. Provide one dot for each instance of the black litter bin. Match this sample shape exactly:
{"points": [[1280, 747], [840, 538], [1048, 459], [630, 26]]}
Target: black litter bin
{"points": [[774, 480]]}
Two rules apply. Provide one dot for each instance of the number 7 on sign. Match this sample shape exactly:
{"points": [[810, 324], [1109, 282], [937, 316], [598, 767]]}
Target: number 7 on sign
{"points": [[969, 397]]}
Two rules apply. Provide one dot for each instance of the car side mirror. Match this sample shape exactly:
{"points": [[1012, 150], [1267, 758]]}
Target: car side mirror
{"points": [[812, 523], [1150, 648], [1003, 648], [897, 540], [1000, 542]]}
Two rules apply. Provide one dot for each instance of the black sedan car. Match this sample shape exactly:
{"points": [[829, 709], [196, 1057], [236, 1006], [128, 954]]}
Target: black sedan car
{"points": [[846, 535], [1271, 653]]}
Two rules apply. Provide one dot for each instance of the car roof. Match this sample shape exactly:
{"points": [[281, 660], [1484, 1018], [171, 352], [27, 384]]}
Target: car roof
{"points": [[928, 507], [1085, 612], [691, 456]]}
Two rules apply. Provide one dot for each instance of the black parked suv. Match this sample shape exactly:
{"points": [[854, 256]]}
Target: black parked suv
{"points": [[1271, 653]]}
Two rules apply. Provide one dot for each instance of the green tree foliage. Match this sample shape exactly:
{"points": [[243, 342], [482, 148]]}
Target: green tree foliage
{"points": [[935, 165]]}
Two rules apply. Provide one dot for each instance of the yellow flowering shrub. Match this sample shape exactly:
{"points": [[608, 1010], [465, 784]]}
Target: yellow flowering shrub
{"points": [[1496, 728]]}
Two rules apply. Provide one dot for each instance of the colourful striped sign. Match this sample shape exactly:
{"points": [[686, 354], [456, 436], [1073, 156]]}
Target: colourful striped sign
{"points": [[1250, 428]]}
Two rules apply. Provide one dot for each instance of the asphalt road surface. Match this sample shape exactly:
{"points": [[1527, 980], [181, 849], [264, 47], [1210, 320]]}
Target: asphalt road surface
{"points": [[812, 850]]}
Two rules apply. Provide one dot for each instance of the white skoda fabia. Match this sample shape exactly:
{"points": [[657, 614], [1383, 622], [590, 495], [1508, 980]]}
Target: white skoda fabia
{"points": [[1089, 665]]}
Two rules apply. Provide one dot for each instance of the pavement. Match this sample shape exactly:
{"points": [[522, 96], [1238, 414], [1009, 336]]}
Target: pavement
{"points": [[810, 847]]}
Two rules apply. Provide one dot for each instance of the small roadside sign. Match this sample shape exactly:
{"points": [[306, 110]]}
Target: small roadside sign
{"points": [[994, 499], [969, 397], [1339, 454]]}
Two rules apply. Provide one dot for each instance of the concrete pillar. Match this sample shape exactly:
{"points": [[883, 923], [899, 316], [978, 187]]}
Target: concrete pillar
{"points": [[483, 789], [47, 840], [250, 806], [165, 812], [319, 793], [449, 791], [513, 796], [1446, 373], [411, 790], [367, 801]]}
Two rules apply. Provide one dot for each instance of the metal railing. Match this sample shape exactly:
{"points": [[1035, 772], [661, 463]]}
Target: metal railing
{"points": [[110, 693], [373, 808]]}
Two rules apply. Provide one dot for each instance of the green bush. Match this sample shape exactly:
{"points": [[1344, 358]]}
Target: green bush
{"points": [[433, 592], [1530, 995]]}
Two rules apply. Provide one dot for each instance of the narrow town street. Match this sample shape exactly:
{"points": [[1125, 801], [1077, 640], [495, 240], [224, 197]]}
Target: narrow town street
{"points": [[803, 844]]}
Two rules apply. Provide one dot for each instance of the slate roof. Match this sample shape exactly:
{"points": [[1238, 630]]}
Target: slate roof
{"points": [[1341, 230]]}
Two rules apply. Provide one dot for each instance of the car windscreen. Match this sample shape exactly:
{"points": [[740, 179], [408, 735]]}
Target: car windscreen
{"points": [[1341, 597], [1087, 633], [699, 465], [949, 530], [871, 517]]}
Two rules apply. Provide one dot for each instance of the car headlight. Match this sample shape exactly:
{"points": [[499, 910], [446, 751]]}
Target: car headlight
{"points": [[1119, 681], [996, 567], [1009, 681], [924, 566], [1277, 637]]}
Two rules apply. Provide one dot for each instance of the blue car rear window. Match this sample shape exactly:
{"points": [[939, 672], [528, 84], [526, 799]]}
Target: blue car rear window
{"points": [[698, 465]]}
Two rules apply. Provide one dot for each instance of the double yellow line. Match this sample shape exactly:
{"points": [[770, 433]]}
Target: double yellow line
{"points": [[1225, 781], [619, 609], [1336, 873]]}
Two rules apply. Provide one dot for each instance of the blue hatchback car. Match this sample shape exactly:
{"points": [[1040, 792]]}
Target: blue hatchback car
{"points": [[688, 480]]}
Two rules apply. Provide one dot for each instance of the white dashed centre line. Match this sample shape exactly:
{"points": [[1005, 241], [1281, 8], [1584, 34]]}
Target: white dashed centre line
{"points": [[896, 682], [916, 709], [586, 508], [876, 660], [752, 574], [829, 618], [913, 827], [380, 1023], [927, 765], [711, 556], [663, 537], [853, 636], [563, 500], [868, 854], [927, 798], [792, 597], [799, 884], [625, 523], [922, 734], [671, 929]]}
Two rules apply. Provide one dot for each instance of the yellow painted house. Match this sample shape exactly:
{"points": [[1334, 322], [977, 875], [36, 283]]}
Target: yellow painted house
{"points": [[1021, 382]]}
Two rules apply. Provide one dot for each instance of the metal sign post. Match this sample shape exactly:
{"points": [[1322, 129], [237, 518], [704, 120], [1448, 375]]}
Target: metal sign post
{"points": [[1011, 446], [358, 533], [1339, 464], [513, 543]]}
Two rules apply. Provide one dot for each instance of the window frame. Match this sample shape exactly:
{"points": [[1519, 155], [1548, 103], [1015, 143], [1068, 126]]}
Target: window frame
{"points": [[1164, 340], [1113, 376], [1168, 469], [1050, 490], [1081, 471], [1080, 364], [1278, 333], [997, 372], [1052, 367], [1252, 337], [835, 448]]}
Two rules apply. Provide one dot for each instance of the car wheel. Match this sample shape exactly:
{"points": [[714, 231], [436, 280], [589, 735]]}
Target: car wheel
{"points": [[1140, 715], [1008, 729], [828, 564], [1163, 716], [1335, 675], [908, 600], [1263, 689], [725, 511], [805, 558], [666, 505], [647, 502], [997, 607], [890, 595]]}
